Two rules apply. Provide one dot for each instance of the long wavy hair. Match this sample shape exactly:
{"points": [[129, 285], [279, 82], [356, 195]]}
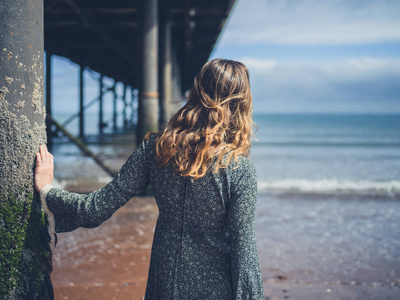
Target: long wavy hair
{"points": [[214, 126]]}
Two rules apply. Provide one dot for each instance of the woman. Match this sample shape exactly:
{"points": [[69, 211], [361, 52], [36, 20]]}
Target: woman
{"points": [[205, 187]]}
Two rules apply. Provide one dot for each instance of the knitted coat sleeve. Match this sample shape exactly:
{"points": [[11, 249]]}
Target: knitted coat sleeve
{"points": [[73, 210], [245, 268]]}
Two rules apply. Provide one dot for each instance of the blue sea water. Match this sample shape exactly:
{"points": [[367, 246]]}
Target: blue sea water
{"points": [[328, 153], [316, 153]]}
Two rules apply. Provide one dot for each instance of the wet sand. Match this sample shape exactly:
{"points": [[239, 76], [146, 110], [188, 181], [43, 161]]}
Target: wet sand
{"points": [[110, 261], [322, 247]]}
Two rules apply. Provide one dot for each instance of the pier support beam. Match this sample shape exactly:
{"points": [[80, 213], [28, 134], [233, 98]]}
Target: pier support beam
{"points": [[148, 95], [48, 100], [176, 81], [134, 98], [166, 71], [114, 106], [101, 122], [125, 107], [81, 103]]}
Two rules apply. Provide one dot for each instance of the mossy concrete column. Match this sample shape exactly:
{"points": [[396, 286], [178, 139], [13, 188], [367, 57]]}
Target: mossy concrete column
{"points": [[25, 256], [148, 94]]}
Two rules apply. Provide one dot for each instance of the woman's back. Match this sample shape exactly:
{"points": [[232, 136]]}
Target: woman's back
{"points": [[204, 244]]}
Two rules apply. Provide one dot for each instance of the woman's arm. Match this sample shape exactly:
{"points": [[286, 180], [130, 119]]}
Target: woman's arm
{"points": [[72, 210], [245, 267]]}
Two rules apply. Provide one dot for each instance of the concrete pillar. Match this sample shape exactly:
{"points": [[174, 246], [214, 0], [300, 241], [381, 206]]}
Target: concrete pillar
{"points": [[134, 98], [114, 106], [166, 71], [148, 95], [81, 103], [131, 107], [25, 254], [176, 82], [125, 107], [101, 122]]}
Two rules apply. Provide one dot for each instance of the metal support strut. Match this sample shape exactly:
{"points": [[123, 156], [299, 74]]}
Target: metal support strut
{"points": [[148, 95], [81, 103]]}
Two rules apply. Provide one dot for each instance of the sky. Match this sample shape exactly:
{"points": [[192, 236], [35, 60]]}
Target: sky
{"points": [[304, 56], [312, 56]]}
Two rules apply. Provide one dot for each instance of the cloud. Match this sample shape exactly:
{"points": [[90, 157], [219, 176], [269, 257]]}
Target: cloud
{"points": [[362, 84], [259, 64], [313, 22]]}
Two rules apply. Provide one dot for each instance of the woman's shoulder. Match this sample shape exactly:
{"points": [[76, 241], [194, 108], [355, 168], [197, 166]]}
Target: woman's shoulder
{"points": [[148, 142], [241, 173], [150, 138], [243, 165], [242, 161]]}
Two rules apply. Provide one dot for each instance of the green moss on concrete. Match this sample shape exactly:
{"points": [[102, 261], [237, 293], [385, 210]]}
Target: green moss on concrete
{"points": [[14, 221], [25, 254]]}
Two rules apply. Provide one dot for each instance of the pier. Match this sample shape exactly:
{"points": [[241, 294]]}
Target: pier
{"points": [[154, 48]]}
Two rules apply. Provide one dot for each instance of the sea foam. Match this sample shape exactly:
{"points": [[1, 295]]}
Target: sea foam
{"points": [[384, 188]]}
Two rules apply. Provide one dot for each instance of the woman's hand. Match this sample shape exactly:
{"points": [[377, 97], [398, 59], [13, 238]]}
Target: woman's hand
{"points": [[44, 172]]}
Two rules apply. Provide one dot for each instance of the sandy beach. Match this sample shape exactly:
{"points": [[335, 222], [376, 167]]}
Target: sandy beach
{"points": [[110, 261]]}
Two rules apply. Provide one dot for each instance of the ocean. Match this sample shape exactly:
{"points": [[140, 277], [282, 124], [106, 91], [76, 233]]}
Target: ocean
{"points": [[328, 153], [312, 153]]}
